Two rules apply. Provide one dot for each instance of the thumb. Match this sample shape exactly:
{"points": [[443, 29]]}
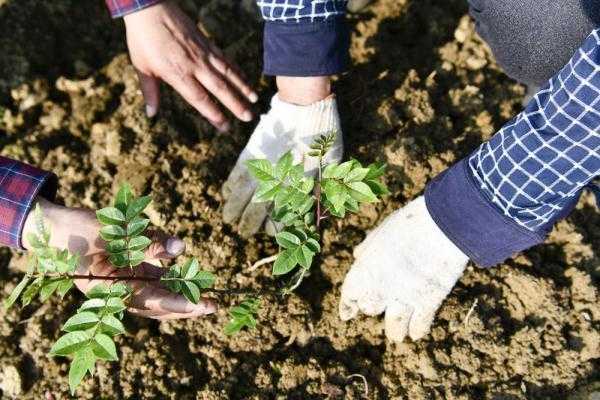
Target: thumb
{"points": [[150, 87], [163, 246]]}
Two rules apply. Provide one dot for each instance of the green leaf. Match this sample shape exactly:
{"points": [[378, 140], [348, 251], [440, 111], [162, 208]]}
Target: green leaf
{"points": [[124, 197], [136, 258], [136, 207], [111, 305], [285, 263], [313, 245], [307, 206], [120, 259], [139, 243], [62, 267], [41, 228], [266, 191], [100, 291], [238, 312], [47, 264], [378, 188], [64, 286], [284, 164], [296, 174], [31, 291], [261, 169], [116, 246], [112, 232], [288, 218], [190, 291], [14, 295], [173, 286], [335, 193], [111, 325], [307, 185], [104, 347], [375, 171], [356, 175], [69, 343], [309, 218], [204, 279], [234, 327], [34, 241], [92, 305], [137, 226], [343, 169], [361, 192], [190, 269], [351, 205], [83, 361], [242, 316], [329, 170], [287, 240], [119, 290], [115, 305], [304, 256], [299, 233], [81, 321], [110, 216], [48, 288]]}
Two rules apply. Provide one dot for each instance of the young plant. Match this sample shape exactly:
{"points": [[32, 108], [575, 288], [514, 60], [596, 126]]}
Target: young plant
{"points": [[301, 203], [89, 334]]}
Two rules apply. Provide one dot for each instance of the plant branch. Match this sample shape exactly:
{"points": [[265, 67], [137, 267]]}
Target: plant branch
{"points": [[256, 292], [262, 262], [318, 192]]}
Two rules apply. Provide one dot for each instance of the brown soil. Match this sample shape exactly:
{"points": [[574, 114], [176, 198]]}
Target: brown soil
{"points": [[423, 92]]}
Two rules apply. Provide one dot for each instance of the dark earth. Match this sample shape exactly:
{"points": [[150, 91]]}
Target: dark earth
{"points": [[423, 92]]}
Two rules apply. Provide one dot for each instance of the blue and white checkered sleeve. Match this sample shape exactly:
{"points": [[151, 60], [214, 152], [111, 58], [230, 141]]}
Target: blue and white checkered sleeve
{"points": [[295, 11], [516, 186], [537, 164], [305, 37]]}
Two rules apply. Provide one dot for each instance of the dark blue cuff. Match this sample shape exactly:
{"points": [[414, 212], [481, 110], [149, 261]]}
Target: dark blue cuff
{"points": [[306, 48], [472, 222]]}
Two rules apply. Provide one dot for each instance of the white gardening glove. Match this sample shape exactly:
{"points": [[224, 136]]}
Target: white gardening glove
{"points": [[405, 268], [285, 127]]}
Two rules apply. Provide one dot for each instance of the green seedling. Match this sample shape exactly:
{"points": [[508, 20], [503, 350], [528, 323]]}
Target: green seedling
{"points": [[302, 203], [89, 334]]}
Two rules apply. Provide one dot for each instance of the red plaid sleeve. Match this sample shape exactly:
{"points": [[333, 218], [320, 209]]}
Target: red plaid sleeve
{"points": [[119, 8], [20, 184]]}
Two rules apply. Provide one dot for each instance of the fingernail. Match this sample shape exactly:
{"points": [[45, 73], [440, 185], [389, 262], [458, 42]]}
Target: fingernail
{"points": [[150, 111], [253, 97], [225, 127], [209, 307], [247, 116], [175, 246]]}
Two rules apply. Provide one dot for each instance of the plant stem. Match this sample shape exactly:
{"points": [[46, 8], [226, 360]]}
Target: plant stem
{"points": [[318, 192], [152, 279]]}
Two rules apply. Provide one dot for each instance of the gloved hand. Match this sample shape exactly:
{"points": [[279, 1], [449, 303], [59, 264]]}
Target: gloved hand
{"points": [[405, 268], [285, 127]]}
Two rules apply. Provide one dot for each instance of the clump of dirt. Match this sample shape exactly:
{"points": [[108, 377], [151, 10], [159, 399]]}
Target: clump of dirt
{"points": [[424, 91]]}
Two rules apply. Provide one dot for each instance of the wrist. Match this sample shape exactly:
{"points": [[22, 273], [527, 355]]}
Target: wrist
{"points": [[303, 91], [50, 212], [150, 9]]}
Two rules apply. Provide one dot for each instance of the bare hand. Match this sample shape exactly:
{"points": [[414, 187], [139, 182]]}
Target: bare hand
{"points": [[164, 44], [78, 231]]}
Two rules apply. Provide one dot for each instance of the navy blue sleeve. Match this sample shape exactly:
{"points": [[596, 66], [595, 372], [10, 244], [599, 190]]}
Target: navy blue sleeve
{"points": [[305, 37], [508, 194]]}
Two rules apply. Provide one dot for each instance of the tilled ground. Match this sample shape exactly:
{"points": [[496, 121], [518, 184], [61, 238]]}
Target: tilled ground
{"points": [[423, 92]]}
